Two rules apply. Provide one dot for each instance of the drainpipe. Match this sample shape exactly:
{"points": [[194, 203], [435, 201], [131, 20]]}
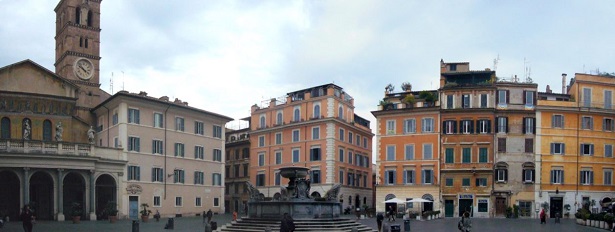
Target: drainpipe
{"points": [[164, 175]]}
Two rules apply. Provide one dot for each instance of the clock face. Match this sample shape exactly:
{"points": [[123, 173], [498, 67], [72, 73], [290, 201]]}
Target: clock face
{"points": [[84, 69]]}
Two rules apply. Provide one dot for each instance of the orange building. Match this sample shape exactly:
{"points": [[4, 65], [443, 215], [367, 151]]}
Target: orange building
{"points": [[467, 137], [408, 150], [574, 145], [314, 128]]}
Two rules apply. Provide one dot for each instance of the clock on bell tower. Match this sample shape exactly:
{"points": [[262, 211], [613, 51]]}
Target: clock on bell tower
{"points": [[78, 41]]}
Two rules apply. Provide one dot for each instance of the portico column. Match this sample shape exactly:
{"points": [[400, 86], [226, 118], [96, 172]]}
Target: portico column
{"points": [[60, 196], [92, 196], [26, 186]]}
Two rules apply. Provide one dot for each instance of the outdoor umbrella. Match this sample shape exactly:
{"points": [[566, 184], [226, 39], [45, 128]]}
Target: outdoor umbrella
{"points": [[419, 200], [395, 200]]}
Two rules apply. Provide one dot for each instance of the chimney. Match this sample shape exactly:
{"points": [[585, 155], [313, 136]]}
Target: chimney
{"points": [[164, 98], [142, 93], [177, 101], [564, 83], [272, 102], [549, 89]]}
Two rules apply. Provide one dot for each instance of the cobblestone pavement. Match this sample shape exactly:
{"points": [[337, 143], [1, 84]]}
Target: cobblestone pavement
{"points": [[195, 224]]}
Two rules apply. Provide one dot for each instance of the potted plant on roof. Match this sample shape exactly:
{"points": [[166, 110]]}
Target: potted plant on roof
{"points": [[145, 212], [111, 211], [76, 212]]}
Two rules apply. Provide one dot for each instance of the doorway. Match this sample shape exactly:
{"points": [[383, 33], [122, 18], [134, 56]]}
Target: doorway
{"points": [[9, 193], [500, 206], [74, 193], [465, 205], [105, 194], [133, 207], [449, 208], [556, 206], [41, 195]]}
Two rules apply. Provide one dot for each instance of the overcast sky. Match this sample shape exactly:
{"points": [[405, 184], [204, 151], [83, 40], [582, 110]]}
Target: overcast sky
{"points": [[224, 56]]}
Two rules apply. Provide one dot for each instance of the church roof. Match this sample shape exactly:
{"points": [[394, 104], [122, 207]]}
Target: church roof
{"points": [[40, 67]]}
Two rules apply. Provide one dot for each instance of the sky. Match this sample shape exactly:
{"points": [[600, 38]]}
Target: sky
{"points": [[225, 56]]}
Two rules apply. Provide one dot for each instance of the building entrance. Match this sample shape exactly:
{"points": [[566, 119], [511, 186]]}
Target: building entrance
{"points": [[105, 194], [500, 206], [465, 205], [74, 193], [9, 193], [556, 206], [449, 208], [41, 195]]}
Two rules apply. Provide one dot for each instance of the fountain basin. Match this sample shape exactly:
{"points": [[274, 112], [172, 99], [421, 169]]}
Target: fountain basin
{"points": [[297, 209], [294, 172]]}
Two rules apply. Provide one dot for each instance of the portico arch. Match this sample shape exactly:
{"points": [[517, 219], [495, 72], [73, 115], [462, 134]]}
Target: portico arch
{"points": [[105, 193], [9, 193], [41, 195], [74, 192]]}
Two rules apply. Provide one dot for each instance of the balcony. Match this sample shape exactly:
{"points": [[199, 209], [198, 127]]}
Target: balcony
{"points": [[61, 148]]}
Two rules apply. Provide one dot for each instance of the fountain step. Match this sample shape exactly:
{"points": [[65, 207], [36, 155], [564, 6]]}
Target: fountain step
{"points": [[251, 224]]}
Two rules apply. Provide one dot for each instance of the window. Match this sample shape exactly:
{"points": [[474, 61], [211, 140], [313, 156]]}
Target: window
{"points": [[452, 67], [341, 154], [608, 99], [179, 150], [178, 176], [134, 144], [427, 125], [340, 112], [409, 151], [296, 115], [351, 180], [317, 111], [467, 126], [216, 202], [390, 127], [278, 157], [158, 120], [279, 118], [260, 179], [450, 104], [558, 148], [608, 177], [295, 135], [449, 182], [261, 141], [484, 126], [530, 98], [427, 176], [529, 145], [466, 155], [409, 126], [315, 133], [341, 177], [427, 151], [608, 150], [197, 202], [6, 128], [528, 175], [178, 201], [278, 138], [217, 155], [156, 201], [587, 149], [157, 175], [216, 179], [364, 142], [501, 175], [46, 130], [481, 182], [350, 157], [261, 159], [501, 145], [483, 155], [557, 121], [350, 137], [502, 97], [587, 97], [134, 172], [358, 140], [315, 154], [199, 178], [315, 176], [483, 205], [557, 176], [586, 177], [502, 124], [409, 177], [133, 116], [529, 125], [465, 101], [389, 177], [607, 124], [261, 123], [450, 127], [277, 178], [295, 153], [157, 146], [483, 101], [116, 142], [114, 118], [199, 128], [179, 124], [587, 123], [390, 152], [465, 182], [217, 131], [341, 133], [199, 152], [449, 154]]}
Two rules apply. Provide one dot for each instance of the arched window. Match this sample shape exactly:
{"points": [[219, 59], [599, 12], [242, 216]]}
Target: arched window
{"points": [[89, 18], [6, 128], [340, 112], [279, 118], [316, 111], [46, 130], [296, 115], [262, 122], [77, 15]]}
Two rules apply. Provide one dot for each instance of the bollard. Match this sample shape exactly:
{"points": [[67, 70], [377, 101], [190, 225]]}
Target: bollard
{"points": [[208, 228], [135, 226], [407, 225]]}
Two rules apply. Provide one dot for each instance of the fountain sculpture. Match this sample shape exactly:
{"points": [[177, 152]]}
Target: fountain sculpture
{"points": [[294, 199]]}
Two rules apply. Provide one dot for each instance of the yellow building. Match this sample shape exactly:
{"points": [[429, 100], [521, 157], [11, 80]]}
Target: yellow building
{"points": [[574, 145]]}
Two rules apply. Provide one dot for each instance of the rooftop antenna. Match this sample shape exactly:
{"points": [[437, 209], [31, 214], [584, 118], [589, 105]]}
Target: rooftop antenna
{"points": [[525, 62], [123, 80], [111, 83], [495, 63]]}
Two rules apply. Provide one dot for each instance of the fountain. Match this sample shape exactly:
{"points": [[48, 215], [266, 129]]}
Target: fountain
{"points": [[294, 199]]}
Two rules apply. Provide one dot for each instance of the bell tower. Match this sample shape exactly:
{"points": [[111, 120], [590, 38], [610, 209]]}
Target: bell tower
{"points": [[77, 43]]}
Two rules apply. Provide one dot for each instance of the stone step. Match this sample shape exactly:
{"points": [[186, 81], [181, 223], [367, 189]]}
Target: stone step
{"points": [[252, 224]]}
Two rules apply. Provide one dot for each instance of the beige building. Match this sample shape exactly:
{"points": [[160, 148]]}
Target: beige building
{"points": [[237, 169]]}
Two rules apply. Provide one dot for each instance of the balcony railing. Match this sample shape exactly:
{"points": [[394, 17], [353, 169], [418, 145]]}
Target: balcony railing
{"points": [[59, 148]]}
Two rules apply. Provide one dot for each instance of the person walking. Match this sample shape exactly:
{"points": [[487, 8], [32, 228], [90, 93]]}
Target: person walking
{"points": [[27, 218], [288, 224], [379, 219], [465, 224], [391, 213], [543, 216], [209, 215], [234, 215]]}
